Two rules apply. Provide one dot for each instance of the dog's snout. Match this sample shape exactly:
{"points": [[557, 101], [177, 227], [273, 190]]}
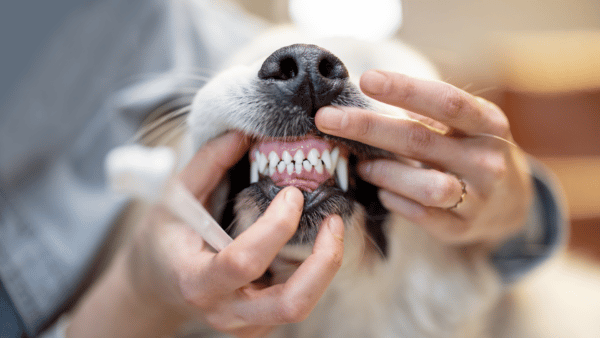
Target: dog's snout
{"points": [[307, 76]]}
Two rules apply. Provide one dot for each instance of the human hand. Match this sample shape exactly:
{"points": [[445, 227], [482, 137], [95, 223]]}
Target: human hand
{"points": [[459, 137], [173, 268]]}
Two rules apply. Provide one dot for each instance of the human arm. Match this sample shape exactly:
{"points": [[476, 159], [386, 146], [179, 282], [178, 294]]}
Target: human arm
{"points": [[168, 274]]}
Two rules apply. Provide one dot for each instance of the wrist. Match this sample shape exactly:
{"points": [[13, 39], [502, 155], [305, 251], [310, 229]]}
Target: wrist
{"points": [[116, 307]]}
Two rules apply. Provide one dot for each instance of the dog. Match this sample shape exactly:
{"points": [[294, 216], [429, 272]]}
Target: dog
{"points": [[396, 280]]}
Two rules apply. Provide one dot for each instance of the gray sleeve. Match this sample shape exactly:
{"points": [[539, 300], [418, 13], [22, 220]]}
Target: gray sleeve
{"points": [[544, 234], [91, 87]]}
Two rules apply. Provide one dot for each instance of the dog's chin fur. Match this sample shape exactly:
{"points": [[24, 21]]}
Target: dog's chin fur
{"points": [[395, 281]]}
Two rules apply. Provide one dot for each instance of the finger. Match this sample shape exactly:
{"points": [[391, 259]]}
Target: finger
{"points": [[428, 187], [483, 160], [438, 100], [251, 253], [293, 301], [253, 331], [404, 137], [443, 224], [206, 169]]}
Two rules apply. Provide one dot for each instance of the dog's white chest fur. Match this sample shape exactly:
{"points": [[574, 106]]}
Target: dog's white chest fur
{"points": [[421, 290]]}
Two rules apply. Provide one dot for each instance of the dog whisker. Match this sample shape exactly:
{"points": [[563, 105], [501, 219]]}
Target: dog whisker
{"points": [[484, 90], [152, 131]]}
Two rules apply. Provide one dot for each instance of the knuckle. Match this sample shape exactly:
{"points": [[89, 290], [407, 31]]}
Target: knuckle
{"points": [[404, 85], [496, 166], [365, 126], [242, 265], [419, 140], [454, 104], [441, 191], [293, 311], [282, 222]]}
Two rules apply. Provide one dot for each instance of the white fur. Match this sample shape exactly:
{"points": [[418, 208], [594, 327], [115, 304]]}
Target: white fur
{"points": [[424, 288]]}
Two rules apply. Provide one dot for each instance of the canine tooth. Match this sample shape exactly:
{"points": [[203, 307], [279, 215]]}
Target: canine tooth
{"points": [[262, 163], [298, 167], [290, 168], [281, 166], [299, 157], [253, 172], [286, 157], [271, 170], [319, 167], [335, 154], [306, 164], [342, 173], [313, 156], [326, 158], [256, 155], [273, 160]]}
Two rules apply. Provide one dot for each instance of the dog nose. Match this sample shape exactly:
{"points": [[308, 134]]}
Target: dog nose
{"points": [[307, 76]]}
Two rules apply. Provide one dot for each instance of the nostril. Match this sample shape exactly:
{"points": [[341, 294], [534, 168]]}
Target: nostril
{"points": [[332, 68], [325, 68], [305, 77], [279, 68], [288, 69]]}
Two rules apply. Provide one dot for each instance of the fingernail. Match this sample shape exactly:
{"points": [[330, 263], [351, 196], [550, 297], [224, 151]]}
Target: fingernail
{"points": [[331, 118], [294, 196], [374, 82], [365, 169], [336, 226]]}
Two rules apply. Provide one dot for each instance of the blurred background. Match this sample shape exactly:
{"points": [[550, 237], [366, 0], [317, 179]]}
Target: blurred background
{"points": [[537, 59]]}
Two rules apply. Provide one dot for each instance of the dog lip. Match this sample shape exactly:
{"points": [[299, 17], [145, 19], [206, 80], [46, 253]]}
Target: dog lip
{"points": [[322, 193], [311, 198]]}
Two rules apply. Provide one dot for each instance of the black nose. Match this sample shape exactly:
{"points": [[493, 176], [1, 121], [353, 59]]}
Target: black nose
{"points": [[306, 76]]}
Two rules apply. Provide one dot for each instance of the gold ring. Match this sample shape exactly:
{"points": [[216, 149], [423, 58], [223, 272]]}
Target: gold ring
{"points": [[463, 187]]}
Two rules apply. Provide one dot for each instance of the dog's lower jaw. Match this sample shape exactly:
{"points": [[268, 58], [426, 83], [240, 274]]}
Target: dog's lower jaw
{"points": [[421, 289], [294, 252], [318, 205]]}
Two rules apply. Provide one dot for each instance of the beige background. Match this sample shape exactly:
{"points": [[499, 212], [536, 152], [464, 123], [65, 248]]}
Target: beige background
{"points": [[460, 36]]}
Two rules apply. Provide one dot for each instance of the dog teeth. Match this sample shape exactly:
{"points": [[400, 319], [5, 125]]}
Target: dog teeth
{"points": [[298, 167], [319, 167], [328, 160], [281, 166], [286, 157], [307, 165], [253, 172], [273, 161], [262, 163], [299, 157], [313, 157], [335, 153], [342, 173]]}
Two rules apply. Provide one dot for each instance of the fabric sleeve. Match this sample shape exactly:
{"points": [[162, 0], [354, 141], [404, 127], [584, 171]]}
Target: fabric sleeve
{"points": [[92, 86], [545, 232]]}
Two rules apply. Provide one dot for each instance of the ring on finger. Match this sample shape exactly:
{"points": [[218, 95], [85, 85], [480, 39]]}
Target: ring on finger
{"points": [[463, 193]]}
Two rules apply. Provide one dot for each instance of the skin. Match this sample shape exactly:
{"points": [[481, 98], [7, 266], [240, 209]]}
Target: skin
{"points": [[457, 135], [168, 274]]}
